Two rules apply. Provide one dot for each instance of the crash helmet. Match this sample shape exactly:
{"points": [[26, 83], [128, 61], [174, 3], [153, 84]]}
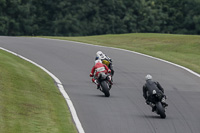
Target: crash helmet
{"points": [[98, 61], [100, 55], [148, 77]]}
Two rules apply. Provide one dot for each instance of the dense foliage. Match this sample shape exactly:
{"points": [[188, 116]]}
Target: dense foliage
{"points": [[94, 17]]}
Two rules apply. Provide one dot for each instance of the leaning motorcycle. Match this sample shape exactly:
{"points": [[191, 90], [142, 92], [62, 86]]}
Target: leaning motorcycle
{"points": [[105, 85], [157, 102]]}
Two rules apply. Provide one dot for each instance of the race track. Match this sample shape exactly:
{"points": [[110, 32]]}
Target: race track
{"points": [[125, 110]]}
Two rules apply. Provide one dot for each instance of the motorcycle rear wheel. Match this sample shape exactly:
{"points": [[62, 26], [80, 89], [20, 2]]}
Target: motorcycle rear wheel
{"points": [[160, 110], [105, 88]]}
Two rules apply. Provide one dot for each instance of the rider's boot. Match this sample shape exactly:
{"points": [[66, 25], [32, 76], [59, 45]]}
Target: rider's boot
{"points": [[164, 102], [98, 86], [97, 83], [110, 79], [153, 108], [152, 105]]}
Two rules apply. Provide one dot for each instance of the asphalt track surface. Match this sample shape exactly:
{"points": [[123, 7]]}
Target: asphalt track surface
{"points": [[125, 110]]}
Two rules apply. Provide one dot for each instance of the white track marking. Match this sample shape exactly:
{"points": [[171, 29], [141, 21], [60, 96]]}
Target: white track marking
{"points": [[60, 87]]}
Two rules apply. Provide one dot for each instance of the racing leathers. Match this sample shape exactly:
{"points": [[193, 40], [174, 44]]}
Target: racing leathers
{"points": [[148, 89], [96, 70]]}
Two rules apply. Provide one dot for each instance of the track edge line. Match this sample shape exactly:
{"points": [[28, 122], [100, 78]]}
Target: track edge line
{"points": [[61, 89]]}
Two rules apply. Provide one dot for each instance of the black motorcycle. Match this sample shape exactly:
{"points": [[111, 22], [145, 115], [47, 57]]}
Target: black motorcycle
{"points": [[105, 84], [157, 103]]}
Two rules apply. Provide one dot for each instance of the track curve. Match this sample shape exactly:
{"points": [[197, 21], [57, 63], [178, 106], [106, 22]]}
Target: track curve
{"points": [[124, 111]]}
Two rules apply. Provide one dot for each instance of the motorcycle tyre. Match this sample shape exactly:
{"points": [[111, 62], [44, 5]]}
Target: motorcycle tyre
{"points": [[160, 110], [105, 88]]}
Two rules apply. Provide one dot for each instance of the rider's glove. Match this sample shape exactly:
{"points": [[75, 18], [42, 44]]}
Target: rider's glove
{"points": [[109, 71], [91, 75]]}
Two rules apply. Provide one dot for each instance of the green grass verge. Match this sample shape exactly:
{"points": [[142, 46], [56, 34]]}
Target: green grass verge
{"points": [[180, 49], [30, 102]]}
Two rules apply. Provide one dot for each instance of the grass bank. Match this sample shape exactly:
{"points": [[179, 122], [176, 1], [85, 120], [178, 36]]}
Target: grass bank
{"points": [[29, 100], [180, 49]]}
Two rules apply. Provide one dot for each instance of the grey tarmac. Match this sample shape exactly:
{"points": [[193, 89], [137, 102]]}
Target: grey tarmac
{"points": [[125, 110]]}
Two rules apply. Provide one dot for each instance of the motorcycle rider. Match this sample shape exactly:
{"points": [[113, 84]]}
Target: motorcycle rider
{"points": [[98, 68], [150, 88], [105, 60]]}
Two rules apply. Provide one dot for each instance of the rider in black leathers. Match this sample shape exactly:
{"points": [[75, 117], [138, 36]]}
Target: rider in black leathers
{"points": [[148, 88]]}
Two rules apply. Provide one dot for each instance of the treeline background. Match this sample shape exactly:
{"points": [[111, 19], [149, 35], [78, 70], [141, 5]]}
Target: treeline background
{"points": [[95, 17]]}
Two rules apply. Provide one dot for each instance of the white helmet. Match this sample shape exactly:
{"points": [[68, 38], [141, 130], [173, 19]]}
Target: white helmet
{"points": [[100, 55], [98, 61], [148, 77]]}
